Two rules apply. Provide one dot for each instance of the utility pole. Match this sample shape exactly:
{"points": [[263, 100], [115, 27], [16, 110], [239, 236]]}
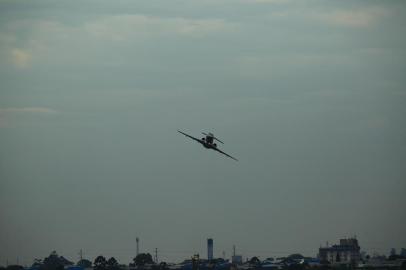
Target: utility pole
{"points": [[138, 247], [195, 262], [80, 255]]}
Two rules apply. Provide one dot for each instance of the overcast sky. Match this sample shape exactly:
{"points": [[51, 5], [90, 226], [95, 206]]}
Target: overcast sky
{"points": [[308, 95]]}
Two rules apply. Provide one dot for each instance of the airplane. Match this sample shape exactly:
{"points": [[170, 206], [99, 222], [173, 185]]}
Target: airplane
{"points": [[208, 142]]}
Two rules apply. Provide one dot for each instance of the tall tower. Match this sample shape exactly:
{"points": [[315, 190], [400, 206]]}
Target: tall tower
{"points": [[210, 249], [138, 245]]}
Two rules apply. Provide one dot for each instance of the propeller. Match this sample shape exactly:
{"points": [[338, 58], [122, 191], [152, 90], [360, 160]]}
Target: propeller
{"points": [[212, 136]]}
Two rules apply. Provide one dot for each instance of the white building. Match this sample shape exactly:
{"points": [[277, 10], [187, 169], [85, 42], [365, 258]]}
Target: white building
{"points": [[347, 252]]}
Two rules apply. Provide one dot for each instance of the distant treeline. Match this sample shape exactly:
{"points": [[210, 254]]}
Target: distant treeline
{"points": [[144, 261]]}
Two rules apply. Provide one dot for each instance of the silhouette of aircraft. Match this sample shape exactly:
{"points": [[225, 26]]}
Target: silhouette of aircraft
{"points": [[208, 142]]}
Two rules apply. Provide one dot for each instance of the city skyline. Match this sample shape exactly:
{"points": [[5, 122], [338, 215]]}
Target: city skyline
{"points": [[168, 256]]}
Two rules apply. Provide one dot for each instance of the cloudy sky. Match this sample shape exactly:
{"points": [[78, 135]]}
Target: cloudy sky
{"points": [[308, 95]]}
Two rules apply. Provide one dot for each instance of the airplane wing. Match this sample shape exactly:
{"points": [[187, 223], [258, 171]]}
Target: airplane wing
{"points": [[218, 150], [193, 138]]}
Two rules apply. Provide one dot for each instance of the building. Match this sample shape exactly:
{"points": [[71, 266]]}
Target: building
{"points": [[210, 249], [236, 259], [347, 252]]}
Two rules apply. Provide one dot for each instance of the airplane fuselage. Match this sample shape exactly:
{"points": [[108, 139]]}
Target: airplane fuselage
{"points": [[209, 145], [208, 142]]}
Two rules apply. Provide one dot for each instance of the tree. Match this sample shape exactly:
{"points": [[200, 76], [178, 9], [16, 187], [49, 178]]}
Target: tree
{"points": [[65, 261], [142, 259], [54, 262], [255, 261], [100, 263], [112, 264], [84, 263], [296, 256], [37, 263]]}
